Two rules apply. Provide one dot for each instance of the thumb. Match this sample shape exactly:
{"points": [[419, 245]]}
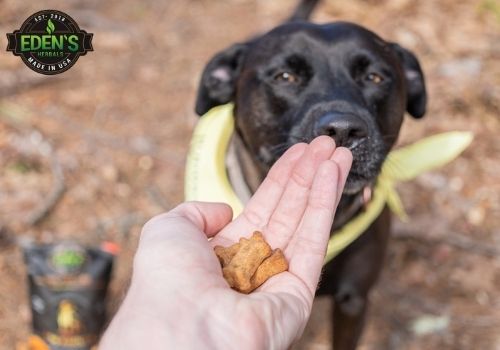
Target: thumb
{"points": [[208, 217]]}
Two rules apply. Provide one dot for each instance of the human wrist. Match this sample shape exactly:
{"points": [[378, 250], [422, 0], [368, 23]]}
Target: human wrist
{"points": [[149, 319], [136, 324]]}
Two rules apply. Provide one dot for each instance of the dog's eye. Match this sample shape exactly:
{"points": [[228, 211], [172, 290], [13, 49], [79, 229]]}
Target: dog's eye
{"points": [[286, 77], [374, 78]]}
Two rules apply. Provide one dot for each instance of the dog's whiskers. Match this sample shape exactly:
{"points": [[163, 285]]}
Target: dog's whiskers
{"points": [[278, 149], [357, 144], [298, 139]]}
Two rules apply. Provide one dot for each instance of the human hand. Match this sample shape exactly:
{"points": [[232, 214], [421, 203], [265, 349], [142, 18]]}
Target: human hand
{"points": [[178, 298]]}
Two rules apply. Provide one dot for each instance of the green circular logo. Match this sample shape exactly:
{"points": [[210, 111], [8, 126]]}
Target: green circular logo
{"points": [[49, 42], [67, 258]]}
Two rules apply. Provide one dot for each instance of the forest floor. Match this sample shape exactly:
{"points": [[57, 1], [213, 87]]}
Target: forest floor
{"points": [[118, 126]]}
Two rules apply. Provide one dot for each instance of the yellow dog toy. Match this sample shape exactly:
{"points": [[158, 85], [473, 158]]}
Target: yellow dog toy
{"points": [[206, 178]]}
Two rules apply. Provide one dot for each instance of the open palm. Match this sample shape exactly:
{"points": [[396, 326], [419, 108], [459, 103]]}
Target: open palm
{"points": [[178, 293]]}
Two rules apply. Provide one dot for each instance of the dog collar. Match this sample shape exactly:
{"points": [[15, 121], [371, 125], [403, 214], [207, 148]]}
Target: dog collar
{"points": [[206, 177]]}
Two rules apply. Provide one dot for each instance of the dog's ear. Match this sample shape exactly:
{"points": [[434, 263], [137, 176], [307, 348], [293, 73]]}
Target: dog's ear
{"points": [[417, 95], [218, 82]]}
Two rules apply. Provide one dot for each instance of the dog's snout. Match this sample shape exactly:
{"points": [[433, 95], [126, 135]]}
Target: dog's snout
{"points": [[346, 129]]}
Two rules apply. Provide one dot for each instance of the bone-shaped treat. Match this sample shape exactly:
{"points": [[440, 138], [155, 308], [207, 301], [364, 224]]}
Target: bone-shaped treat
{"points": [[249, 263]]}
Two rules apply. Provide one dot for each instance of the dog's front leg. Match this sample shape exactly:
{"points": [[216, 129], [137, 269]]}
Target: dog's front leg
{"points": [[348, 318], [349, 278]]}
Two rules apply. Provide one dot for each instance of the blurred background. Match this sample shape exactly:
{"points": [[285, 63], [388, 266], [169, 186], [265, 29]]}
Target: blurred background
{"points": [[91, 154]]}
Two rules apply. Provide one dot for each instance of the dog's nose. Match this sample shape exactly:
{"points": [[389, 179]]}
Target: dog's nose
{"points": [[346, 129]]}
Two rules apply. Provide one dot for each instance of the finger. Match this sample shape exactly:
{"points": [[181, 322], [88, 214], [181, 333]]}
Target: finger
{"points": [[307, 249], [343, 157], [176, 241], [207, 217], [260, 207], [288, 213], [265, 199]]}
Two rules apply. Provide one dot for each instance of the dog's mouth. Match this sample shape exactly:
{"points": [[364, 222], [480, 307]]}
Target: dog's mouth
{"points": [[356, 183], [368, 157]]}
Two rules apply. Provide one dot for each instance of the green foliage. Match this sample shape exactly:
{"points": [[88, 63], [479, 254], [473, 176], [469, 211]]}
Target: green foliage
{"points": [[20, 167]]}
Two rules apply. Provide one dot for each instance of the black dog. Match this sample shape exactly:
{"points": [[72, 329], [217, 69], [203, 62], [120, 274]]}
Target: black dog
{"points": [[302, 80]]}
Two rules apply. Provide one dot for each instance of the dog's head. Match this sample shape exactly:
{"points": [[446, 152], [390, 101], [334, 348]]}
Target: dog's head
{"points": [[302, 80]]}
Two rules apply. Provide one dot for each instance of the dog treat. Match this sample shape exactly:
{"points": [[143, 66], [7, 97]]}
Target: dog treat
{"points": [[225, 255], [273, 265], [248, 264], [245, 262]]}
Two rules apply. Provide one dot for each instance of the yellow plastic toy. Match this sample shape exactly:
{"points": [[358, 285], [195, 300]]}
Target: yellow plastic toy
{"points": [[206, 178]]}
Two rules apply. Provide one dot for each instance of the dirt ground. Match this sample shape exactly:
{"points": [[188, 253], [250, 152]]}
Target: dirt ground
{"points": [[113, 132]]}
